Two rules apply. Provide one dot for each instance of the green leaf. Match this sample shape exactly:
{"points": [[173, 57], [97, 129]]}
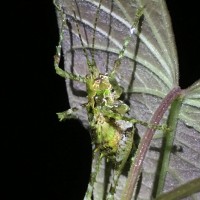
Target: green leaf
{"points": [[147, 73], [191, 107]]}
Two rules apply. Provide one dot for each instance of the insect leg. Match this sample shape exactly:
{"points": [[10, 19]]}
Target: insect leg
{"points": [[95, 170], [133, 30], [70, 113], [57, 57], [117, 116]]}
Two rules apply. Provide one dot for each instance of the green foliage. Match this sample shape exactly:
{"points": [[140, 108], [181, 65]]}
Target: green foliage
{"points": [[141, 57]]}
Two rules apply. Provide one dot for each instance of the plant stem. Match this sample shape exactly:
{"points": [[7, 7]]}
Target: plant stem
{"points": [[167, 145], [182, 191], [143, 147]]}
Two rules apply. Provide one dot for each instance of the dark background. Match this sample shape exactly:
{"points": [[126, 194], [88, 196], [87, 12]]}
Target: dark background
{"points": [[42, 158]]}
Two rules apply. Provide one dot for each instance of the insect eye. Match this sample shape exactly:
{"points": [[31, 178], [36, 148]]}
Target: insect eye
{"points": [[102, 76], [98, 81]]}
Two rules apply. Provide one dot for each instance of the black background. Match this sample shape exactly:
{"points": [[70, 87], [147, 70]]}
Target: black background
{"points": [[42, 158]]}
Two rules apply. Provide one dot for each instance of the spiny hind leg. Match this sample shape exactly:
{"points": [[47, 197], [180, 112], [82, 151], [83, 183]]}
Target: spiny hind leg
{"points": [[57, 57]]}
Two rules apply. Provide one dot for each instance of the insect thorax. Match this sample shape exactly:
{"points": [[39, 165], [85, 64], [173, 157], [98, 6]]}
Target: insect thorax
{"points": [[103, 106]]}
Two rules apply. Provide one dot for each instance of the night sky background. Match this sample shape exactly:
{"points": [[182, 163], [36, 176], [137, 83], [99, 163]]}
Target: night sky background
{"points": [[42, 158]]}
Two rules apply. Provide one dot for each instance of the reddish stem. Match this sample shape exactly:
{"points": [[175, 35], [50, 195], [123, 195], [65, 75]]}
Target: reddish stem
{"points": [[145, 143]]}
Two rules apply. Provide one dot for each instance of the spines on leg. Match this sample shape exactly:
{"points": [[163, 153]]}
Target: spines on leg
{"points": [[57, 57], [133, 30]]}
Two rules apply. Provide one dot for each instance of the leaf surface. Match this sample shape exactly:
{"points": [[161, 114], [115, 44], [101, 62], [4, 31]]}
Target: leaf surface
{"points": [[147, 73]]}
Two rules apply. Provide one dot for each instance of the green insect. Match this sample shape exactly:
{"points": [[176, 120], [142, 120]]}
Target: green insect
{"points": [[106, 113]]}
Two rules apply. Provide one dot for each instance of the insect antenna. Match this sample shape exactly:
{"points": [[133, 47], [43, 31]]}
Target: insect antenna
{"points": [[94, 32]]}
